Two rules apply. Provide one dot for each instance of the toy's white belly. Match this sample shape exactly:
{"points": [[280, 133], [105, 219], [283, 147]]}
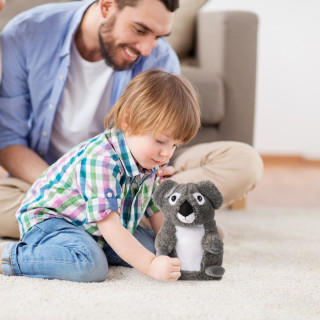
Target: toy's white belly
{"points": [[188, 247]]}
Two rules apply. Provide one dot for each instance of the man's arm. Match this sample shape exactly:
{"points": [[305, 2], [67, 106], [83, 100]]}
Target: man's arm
{"points": [[134, 253], [23, 163], [15, 109]]}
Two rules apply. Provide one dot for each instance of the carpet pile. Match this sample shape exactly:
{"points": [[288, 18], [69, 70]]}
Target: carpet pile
{"points": [[272, 262]]}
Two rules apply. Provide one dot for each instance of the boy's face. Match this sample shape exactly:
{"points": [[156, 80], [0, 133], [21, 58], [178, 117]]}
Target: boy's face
{"points": [[132, 32], [149, 151]]}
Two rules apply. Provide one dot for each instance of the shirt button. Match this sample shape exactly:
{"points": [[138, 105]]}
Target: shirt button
{"points": [[61, 77], [51, 106], [44, 134], [109, 194], [67, 57]]}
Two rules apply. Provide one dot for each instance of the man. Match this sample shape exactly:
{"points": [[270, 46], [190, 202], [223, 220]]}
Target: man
{"points": [[2, 3], [65, 66]]}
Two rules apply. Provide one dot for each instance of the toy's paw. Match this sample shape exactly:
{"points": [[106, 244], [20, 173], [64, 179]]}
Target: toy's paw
{"points": [[215, 246], [215, 271]]}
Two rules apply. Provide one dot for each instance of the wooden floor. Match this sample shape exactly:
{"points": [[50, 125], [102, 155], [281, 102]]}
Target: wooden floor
{"points": [[288, 182]]}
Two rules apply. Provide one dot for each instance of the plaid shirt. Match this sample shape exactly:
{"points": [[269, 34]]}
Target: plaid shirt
{"points": [[95, 178]]}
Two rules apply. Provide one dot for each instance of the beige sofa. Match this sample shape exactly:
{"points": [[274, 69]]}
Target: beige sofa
{"points": [[217, 51]]}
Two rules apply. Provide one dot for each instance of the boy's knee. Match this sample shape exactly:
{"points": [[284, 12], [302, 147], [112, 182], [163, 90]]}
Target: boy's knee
{"points": [[97, 270], [92, 269]]}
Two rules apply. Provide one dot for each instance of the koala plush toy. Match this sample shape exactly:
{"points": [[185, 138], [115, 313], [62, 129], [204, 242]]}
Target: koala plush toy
{"points": [[189, 231]]}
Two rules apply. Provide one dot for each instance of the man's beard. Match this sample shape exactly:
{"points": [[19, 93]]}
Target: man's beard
{"points": [[109, 49]]}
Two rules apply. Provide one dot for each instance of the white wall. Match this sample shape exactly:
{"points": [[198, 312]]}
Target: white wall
{"points": [[288, 74]]}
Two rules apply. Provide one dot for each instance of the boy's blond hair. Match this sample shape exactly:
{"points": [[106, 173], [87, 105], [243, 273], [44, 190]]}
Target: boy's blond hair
{"points": [[157, 101]]}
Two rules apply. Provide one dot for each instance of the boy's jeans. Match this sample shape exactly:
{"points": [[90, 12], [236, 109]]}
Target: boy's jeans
{"points": [[56, 249]]}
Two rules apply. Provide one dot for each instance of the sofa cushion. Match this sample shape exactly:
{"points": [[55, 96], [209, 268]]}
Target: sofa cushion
{"points": [[183, 29], [211, 92]]}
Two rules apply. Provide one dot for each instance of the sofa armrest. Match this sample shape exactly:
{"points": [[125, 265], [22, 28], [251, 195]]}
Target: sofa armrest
{"points": [[227, 47], [211, 92]]}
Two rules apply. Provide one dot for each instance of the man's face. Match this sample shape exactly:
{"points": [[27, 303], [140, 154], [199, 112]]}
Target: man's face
{"points": [[132, 32]]}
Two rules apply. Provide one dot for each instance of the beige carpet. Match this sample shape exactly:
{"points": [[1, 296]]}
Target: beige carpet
{"points": [[272, 262]]}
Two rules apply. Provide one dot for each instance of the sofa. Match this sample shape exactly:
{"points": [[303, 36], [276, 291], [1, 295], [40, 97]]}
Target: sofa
{"points": [[218, 51]]}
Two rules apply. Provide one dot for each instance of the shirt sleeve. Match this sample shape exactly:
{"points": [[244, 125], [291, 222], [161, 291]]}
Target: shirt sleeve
{"points": [[15, 108], [98, 183]]}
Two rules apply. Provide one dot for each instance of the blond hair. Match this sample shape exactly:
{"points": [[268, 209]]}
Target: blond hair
{"points": [[158, 101]]}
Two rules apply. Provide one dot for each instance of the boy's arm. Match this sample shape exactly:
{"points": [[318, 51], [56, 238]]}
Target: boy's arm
{"points": [[156, 221], [134, 253]]}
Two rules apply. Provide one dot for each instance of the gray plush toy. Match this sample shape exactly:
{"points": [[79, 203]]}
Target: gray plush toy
{"points": [[189, 231]]}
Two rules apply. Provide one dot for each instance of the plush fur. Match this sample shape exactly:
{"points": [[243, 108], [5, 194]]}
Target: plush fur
{"points": [[189, 231]]}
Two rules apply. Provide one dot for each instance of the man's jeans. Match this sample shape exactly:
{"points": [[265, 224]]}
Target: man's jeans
{"points": [[56, 249]]}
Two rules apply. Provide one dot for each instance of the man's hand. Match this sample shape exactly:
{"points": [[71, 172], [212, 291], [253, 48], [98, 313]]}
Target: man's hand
{"points": [[165, 268], [2, 3], [165, 173]]}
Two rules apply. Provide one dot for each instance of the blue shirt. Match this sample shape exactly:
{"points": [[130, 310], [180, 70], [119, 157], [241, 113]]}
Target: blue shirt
{"points": [[35, 62]]}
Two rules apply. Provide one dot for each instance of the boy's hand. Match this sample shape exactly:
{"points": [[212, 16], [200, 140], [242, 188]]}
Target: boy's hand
{"points": [[165, 268], [165, 172]]}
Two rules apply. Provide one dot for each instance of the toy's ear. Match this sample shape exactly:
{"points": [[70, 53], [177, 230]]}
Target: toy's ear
{"points": [[165, 188], [211, 192]]}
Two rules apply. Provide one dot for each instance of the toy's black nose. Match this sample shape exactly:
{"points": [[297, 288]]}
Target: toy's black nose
{"points": [[185, 209]]}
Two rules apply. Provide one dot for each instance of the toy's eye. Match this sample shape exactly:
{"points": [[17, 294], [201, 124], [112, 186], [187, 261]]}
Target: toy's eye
{"points": [[199, 197], [174, 198]]}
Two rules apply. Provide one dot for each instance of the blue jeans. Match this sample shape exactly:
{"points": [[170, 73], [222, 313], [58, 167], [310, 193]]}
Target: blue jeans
{"points": [[56, 249]]}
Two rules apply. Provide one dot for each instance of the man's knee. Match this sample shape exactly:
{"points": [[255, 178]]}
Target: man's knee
{"points": [[12, 192], [234, 167], [218, 159], [249, 162]]}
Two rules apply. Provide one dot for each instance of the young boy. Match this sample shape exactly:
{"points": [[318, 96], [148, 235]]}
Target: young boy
{"points": [[83, 213]]}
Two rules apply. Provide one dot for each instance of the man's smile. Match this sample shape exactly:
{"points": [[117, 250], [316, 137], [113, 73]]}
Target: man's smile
{"points": [[131, 54]]}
